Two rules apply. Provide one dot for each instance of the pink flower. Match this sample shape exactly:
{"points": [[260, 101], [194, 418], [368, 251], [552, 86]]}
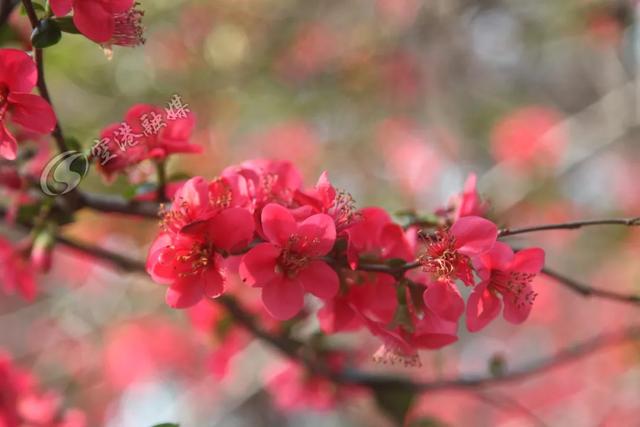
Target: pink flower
{"points": [[447, 258], [324, 198], [374, 300], [288, 266], [468, 203], [189, 255], [18, 77], [261, 181], [529, 138], [23, 403], [168, 135], [104, 21], [375, 236], [16, 272], [508, 275], [145, 133]]}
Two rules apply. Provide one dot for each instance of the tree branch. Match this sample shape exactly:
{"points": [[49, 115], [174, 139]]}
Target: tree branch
{"points": [[116, 204], [588, 291], [293, 349], [629, 222]]}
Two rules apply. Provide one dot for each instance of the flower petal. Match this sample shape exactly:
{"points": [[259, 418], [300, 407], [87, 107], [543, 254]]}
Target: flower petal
{"points": [[278, 223], [319, 279], [61, 7], [321, 229], [474, 235], [94, 20], [283, 298], [17, 70], [444, 299], [433, 332], [184, 292], [160, 260], [32, 112], [258, 266], [530, 260], [213, 283], [8, 144], [482, 307], [231, 229], [516, 308]]}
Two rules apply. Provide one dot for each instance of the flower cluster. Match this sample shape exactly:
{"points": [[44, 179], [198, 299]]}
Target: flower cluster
{"points": [[147, 132], [400, 282], [24, 403], [18, 77]]}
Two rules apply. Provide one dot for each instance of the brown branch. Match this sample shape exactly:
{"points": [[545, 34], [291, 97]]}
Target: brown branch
{"points": [[42, 85], [293, 349], [629, 222], [116, 204], [588, 291]]}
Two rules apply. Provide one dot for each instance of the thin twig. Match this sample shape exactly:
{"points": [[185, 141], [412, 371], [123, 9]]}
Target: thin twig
{"points": [[588, 291], [42, 85], [629, 222], [116, 204]]}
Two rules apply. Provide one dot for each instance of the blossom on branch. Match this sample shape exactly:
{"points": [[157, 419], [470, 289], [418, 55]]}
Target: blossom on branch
{"points": [[18, 77]]}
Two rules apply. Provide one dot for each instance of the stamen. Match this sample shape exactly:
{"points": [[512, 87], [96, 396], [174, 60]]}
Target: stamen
{"points": [[128, 30], [390, 355], [344, 210], [440, 257]]}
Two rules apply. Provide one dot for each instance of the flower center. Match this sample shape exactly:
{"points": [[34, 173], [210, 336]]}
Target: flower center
{"points": [[440, 257], [515, 284], [177, 217], [128, 30], [196, 260], [343, 210], [292, 259]]}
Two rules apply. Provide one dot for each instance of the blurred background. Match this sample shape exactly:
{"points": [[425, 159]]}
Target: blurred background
{"points": [[398, 100]]}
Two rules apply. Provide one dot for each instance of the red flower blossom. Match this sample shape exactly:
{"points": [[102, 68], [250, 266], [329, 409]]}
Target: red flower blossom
{"points": [[447, 258], [16, 272], [145, 133], [287, 266], [18, 77], [111, 22], [23, 403], [376, 237], [468, 202], [508, 275], [188, 256]]}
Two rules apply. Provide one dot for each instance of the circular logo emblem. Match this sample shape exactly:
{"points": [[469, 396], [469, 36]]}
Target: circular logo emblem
{"points": [[63, 173]]}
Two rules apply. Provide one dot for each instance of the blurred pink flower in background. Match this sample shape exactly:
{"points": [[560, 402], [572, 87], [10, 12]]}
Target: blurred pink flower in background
{"points": [[146, 349], [408, 155], [312, 50], [18, 77], [528, 139]]}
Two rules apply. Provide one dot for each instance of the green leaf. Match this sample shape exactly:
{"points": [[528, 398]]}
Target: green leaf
{"points": [[66, 25], [166, 425], [395, 402], [46, 34]]}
